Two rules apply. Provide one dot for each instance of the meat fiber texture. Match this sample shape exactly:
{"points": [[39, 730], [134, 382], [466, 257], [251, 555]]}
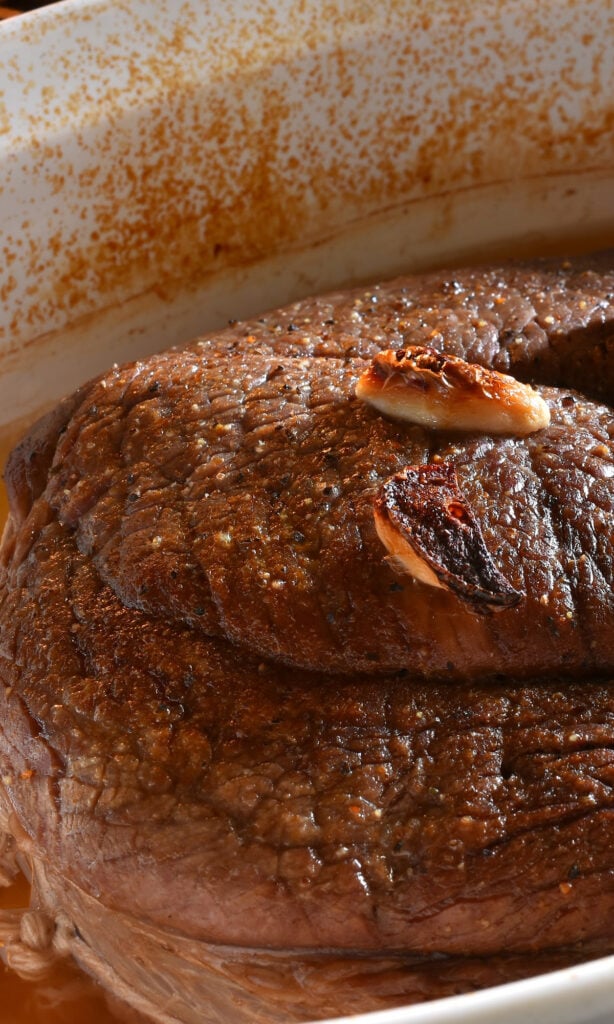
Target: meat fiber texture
{"points": [[228, 721]]}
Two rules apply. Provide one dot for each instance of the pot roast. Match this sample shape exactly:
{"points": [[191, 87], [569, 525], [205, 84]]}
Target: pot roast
{"points": [[258, 766]]}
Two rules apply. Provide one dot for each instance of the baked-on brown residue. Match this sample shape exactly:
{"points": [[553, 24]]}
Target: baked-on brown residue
{"points": [[427, 526]]}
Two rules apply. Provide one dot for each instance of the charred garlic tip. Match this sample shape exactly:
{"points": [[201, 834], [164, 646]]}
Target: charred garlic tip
{"points": [[444, 392], [431, 533]]}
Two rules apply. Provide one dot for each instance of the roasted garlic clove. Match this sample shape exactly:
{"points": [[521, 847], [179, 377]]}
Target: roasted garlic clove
{"points": [[444, 392], [431, 533]]}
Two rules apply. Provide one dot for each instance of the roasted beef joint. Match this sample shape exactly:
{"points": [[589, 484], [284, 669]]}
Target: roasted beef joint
{"points": [[307, 652]]}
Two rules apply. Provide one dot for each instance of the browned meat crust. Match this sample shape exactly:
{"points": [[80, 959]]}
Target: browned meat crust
{"points": [[214, 683], [210, 483]]}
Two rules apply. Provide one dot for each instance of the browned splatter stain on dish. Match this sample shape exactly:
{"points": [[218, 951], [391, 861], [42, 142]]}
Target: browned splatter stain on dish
{"points": [[206, 176]]}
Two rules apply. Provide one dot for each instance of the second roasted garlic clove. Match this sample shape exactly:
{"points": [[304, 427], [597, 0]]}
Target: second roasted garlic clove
{"points": [[431, 533], [444, 392]]}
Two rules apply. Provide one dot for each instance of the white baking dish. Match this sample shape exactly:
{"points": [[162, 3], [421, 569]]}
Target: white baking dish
{"points": [[165, 166]]}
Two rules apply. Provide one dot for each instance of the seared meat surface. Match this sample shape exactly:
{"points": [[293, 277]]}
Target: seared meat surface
{"points": [[230, 486], [228, 715]]}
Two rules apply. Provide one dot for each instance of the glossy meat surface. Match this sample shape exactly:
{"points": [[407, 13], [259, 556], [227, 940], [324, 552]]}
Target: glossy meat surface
{"points": [[230, 486], [215, 683]]}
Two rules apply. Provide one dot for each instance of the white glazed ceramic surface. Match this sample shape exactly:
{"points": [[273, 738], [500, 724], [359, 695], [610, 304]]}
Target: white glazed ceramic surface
{"points": [[168, 164], [165, 165]]}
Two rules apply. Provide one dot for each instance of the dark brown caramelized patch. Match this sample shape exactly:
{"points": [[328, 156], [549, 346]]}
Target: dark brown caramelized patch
{"points": [[417, 359], [426, 507]]}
